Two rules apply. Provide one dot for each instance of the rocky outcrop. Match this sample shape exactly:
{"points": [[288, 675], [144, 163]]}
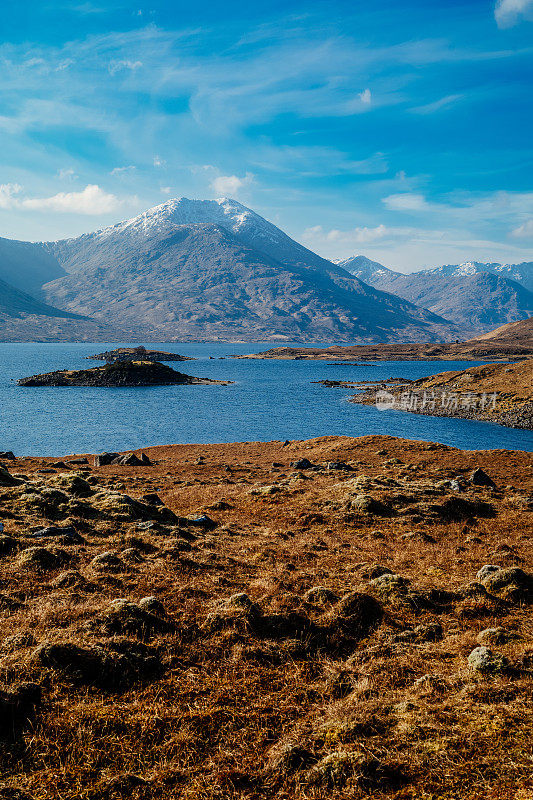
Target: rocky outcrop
{"points": [[138, 354]]}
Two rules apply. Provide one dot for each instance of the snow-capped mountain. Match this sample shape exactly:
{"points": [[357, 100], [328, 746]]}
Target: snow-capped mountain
{"points": [[160, 221], [474, 295], [365, 269], [214, 268], [521, 273]]}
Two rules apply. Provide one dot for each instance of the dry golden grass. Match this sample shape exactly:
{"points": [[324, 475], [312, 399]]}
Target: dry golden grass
{"points": [[285, 696]]}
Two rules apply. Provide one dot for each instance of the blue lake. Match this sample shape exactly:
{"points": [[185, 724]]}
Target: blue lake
{"points": [[269, 400]]}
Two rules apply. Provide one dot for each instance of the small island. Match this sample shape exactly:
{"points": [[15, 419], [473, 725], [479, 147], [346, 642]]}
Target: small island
{"points": [[120, 374], [138, 354]]}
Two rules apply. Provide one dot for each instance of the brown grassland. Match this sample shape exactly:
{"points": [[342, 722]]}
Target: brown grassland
{"points": [[311, 643]]}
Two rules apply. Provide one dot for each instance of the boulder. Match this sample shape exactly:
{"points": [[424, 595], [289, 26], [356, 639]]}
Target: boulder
{"points": [[7, 455], [480, 478], [67, 533], [203, 521], [7, 479], [485, 571], [302, 463], [481, 659], [104, 459]]}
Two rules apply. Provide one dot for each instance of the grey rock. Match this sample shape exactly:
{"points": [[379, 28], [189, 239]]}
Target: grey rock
{"points": [[485, 571], [481, 659]]}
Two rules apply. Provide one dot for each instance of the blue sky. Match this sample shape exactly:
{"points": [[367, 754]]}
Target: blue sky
{"points": [[399, 130]]}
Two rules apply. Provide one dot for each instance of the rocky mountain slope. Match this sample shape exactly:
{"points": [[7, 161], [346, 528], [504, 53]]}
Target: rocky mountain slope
{"points": [[27, 266], [215, 269], [474, 295], [26, 318], [15, 303]]}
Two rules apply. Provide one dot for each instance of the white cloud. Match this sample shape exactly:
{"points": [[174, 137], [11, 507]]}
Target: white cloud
{"points": [[366, 97], [508, 12], [230, 184], [8, 192], [122, 64], [356, 236], [92, 200], [406, 202], [120, 171], [159, 162], [66, 174], [524, 231], [166, 189]]}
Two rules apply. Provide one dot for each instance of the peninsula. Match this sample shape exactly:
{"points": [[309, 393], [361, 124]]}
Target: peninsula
{"points": [[501, 393], [514, 340]]}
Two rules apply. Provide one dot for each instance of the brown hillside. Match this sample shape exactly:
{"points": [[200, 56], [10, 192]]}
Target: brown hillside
{"points": [[317, 637]]}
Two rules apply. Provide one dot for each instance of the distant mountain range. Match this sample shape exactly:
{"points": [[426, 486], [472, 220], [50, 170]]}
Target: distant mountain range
{"points": [[191, 269], [474, 295], [214, 269]]}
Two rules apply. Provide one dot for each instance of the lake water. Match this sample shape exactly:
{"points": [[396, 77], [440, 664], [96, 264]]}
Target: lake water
{"points": [[269, 400]]}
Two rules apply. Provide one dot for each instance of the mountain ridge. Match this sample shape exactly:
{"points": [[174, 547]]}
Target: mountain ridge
{"points": [[469, 295]]}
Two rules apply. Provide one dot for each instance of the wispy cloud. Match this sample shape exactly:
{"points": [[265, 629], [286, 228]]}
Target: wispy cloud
{"points": [[508, 12], [406, 202], [524, 231], [437, 105], [355, 236], [66, 174], [123, 64], [120, 172]]}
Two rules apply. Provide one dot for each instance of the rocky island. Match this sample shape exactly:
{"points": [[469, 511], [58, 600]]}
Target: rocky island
{"points": [[333, 618], [119, 373], [138, 354], [501, 393]]}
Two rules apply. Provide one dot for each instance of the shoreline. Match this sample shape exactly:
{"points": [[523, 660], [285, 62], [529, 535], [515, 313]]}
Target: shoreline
{"points": [[497, 393]]}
